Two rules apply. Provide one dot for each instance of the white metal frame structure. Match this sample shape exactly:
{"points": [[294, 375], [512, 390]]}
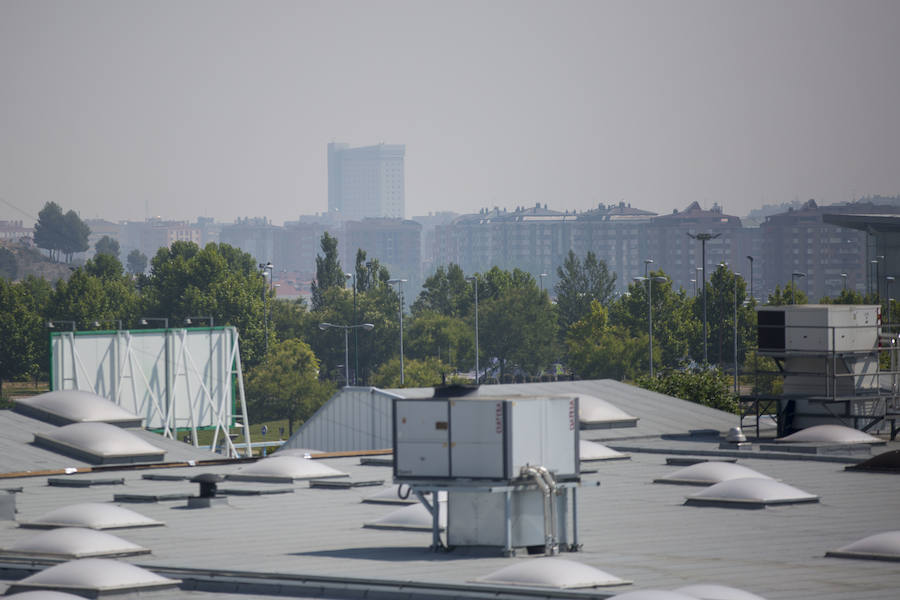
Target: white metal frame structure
{"points": [[173, 378]]}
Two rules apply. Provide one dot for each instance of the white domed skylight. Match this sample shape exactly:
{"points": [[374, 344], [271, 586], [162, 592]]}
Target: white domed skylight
{"points": [[43, 595], [596, 413], [551, 572], [832, 434], [588, 450], [62, 407], [96, 575], [707, 591], [93, 515], [413, 517], [652, 595], [75, 542], [284, 469], [99, 443], [751, 491], [881, 546], [709, 473]]}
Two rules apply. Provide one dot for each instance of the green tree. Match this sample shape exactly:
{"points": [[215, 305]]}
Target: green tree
{"points": [[451, 340], [789, 295], [517, 322], [9, 267], [98, 292], [107, 245], [674, 324], [328, 270], [286, 384], [20, 327], [49, 230], [598, 349], [75, 235], [136, 261], [447, 293], [289, 319], [217, 280], [720, 315], [847, 297], [580, 283], [709, 387], [416, 373], [369, 273]]}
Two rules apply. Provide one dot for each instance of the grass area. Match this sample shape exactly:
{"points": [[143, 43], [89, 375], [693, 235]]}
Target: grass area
{"points": [[273, 433]]}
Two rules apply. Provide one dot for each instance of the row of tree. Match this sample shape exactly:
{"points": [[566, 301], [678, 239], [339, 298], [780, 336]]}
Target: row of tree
{"points": [[293, 364]]}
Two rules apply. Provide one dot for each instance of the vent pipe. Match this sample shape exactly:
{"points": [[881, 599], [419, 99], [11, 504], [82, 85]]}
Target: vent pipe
{"points": [[544, 480]]}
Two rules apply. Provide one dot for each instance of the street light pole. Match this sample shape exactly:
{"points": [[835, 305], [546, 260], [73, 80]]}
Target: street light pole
{"points": [[347, 328], [650, 281], [541, 277], [750, 258], [355, 334], [704, 237], [736, 275], [887, 283], [400, 283], [647, 263], [474, 279], [794, 275], [264, 269], [844, 281]]}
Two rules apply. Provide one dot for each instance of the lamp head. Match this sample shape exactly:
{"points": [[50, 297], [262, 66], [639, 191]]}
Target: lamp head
{"points": [[368, 326], [324, 326]]}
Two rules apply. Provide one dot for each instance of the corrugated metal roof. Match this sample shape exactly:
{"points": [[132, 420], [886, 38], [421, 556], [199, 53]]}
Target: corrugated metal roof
{"points": [[360, 418]]}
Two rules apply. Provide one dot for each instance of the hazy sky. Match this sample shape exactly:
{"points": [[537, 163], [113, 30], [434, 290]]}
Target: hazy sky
{"points": [[129, 109]]}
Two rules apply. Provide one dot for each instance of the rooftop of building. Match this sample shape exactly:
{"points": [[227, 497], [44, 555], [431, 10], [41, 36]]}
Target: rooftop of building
{"points": [[294, 539]]}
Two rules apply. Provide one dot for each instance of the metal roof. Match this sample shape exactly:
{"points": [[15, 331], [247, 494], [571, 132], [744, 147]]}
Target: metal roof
{"points": [[312, 542], [359, 418]]}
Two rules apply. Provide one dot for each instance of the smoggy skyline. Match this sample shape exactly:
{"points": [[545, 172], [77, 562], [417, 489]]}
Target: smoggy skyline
{"points": [[224, 109]]}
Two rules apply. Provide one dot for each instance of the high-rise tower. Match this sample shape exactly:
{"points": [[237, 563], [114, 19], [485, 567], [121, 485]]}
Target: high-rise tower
{"points": [[366, 182]]}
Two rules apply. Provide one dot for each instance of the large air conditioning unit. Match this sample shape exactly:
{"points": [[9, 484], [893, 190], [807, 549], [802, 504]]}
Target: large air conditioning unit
{"points": [[510, 465], [829, 356]]}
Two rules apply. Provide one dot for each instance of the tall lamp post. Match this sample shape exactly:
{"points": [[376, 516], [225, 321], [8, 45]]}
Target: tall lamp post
{"points": [[878, 261], [750, 258], [887, 285], [352, 276], [736, 275], [266, 270], [347, 328], [795, 275], [647, 263], [474, 279], [400, 283], [844, 281], [650, 281], [704, 237], [541, 277]]}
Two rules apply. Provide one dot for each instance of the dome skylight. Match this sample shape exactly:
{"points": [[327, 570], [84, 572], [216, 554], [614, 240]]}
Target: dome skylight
{"points": [[99, 443], [596, 413], [62, 407], [588, 450], [43, 595], [707, 591], [414, 517], [751, 492], [652, 595], [881, 546], [832, 434], [75, 542], [551, 572], [284, 469], [93, 515], [886, 462], [96, 575], [709, 473]]}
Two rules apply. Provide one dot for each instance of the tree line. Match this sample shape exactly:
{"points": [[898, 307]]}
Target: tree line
{"points": [[292, 364]]}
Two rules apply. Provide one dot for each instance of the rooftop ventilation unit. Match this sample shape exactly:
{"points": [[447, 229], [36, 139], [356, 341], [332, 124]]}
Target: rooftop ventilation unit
{"points": [[828, 356], [509, 466]]}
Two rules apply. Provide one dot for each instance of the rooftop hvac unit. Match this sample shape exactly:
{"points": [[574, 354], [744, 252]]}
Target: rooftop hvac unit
{"points": [[510, 466], [472, 438], [814, 328]]}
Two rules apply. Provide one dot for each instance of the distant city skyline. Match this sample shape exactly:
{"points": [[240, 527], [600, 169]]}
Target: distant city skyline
{"points": [[222, 109]]}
